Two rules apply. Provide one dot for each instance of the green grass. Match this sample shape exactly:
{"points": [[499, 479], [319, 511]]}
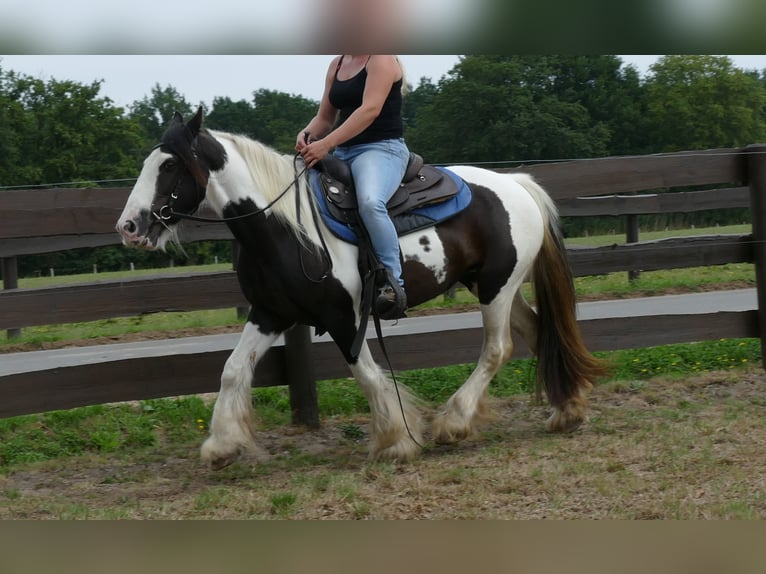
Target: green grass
{"points": [[127, 429], [101, 429], [40, 282], [601, 240]]}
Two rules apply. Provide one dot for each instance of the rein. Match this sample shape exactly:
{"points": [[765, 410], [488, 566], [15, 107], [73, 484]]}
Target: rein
{"points": [[163, 217]]}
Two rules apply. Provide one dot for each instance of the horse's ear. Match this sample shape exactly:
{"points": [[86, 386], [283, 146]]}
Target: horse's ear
{"points": [[177, 118], [195, 124]]}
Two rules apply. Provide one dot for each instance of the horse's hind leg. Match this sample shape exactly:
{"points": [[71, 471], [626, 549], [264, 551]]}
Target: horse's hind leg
{"points": [[459, 416], [396, 428], [571, 414], [231, 428], [524, 320]]}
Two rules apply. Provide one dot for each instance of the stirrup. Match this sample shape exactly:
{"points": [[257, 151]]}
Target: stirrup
{"points": [[391, 302]]}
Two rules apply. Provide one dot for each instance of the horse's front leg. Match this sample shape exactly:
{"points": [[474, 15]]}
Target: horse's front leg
{"points": [[231, 428], [396, 425]]}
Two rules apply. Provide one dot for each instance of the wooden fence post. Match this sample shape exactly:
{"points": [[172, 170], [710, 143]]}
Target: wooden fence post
{"points": [[241, 311], [631, 236], [11, 281], [756, 173], [300, 376]]}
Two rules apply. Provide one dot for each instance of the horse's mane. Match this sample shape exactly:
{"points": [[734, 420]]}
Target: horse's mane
{"points": [[272, 172]]}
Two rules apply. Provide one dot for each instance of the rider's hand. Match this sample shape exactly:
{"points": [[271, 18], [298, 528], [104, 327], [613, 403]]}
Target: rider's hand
{"points": [[314, 152], [302, 140]]}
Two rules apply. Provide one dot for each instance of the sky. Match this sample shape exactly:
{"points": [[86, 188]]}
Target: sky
{"points": [[200, 78]]}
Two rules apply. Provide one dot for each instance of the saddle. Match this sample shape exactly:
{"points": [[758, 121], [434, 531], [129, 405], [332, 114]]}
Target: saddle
{"points": [[426, 196], [421, 185]]}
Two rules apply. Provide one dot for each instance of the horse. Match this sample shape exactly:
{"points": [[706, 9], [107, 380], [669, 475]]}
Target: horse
{"points": [[292, 271]]}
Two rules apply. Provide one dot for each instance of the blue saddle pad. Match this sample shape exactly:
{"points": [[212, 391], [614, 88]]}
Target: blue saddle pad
{"points": [[413, 220]]}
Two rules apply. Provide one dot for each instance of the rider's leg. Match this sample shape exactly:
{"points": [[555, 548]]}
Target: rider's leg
{"points": [[378, 169]]}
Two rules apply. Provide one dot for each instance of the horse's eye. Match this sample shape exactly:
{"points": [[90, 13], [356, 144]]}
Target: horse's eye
{"points": [[168, 164]]}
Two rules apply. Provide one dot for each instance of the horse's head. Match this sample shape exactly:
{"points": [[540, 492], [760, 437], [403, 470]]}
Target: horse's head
{"points": [[172, 182]]}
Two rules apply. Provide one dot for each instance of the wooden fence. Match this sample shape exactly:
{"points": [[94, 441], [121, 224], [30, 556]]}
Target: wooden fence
{"points": [[53, 220]]}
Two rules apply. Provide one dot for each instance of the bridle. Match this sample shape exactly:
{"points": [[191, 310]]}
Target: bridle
{"points": [[166, 212]]}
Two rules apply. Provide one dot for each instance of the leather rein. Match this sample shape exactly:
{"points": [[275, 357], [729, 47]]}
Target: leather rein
{"points": [[166, 212]]}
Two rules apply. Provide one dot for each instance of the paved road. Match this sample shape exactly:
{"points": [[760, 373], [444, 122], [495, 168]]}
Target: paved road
{"points": [[738, 300]]}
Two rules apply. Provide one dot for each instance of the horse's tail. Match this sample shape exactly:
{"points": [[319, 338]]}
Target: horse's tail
{"points": [[565, 367]]}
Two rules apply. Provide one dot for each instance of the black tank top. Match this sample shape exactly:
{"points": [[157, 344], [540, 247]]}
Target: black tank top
{"points": [[346, 96]]}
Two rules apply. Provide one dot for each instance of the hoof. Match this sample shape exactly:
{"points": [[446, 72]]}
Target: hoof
{"points": [[404, 451], [218, 457], [563, 422], [447, 429], [223, 462]]}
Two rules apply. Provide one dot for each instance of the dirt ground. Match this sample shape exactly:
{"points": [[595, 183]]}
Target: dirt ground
{"points": [[665, 449]]}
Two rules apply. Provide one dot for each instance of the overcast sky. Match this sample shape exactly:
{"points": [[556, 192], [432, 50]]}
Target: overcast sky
{"points": [[199, 78]]}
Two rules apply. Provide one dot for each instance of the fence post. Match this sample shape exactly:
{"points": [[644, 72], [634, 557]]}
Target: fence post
{"points": [[235, 247], [11, 281], [631, 236], [756, 173], [300, 376]]}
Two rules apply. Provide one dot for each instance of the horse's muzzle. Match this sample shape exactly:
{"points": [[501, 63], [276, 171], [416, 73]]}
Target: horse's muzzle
{"points": [[134, 233]]}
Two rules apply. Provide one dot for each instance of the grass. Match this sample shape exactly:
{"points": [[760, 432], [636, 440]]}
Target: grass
{"points": [[669, 447], [148, 425]]}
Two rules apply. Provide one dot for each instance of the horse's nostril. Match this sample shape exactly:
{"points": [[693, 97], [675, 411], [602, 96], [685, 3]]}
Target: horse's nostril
{"points": [[129, 226]]}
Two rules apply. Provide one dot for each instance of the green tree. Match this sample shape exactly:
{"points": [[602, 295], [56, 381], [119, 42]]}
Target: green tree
{"points": [[416, 100], [60, 131], [700, 102], [154, 112], [500, 108], [230, 116], [279, 116], [273, 118]]}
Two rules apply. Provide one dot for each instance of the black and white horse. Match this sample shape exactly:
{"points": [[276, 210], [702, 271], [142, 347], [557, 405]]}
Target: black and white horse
{"points": [[507, 234]]}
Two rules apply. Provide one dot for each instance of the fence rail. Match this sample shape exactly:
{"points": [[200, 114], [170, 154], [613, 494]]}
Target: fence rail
{"points": [[43, 221]]}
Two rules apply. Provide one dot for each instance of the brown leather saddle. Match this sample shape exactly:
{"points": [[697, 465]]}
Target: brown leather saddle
{"points": [[421, 185]]}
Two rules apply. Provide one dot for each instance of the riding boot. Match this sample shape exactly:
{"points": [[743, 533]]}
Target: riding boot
{"points": [[392, 300]]}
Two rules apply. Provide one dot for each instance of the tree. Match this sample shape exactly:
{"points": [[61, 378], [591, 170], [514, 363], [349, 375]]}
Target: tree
{"points": [[278, 117], [416, 100], [500, 108], [700, 102], [230, 116], [273, 118], [154, 112], [61, 131]]}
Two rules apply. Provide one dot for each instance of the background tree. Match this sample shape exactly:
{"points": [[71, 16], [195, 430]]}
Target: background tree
{"points": [[501, 108], [154, 112], [230, 116], [273, 118], [62, 131], [700, 102], [415, 100]]}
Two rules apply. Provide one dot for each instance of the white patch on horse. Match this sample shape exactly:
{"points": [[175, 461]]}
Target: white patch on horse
{"points": [[426, 248]]}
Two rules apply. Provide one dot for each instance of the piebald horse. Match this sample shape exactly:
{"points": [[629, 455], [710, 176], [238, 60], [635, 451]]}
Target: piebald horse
{"points": [[292, 270]]}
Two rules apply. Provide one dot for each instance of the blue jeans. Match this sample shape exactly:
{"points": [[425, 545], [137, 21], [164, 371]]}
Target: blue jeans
{"points": [[377, 169]]}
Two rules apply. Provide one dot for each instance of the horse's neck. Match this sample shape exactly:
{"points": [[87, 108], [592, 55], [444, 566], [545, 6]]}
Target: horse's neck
{"points": [[259, 180]]}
